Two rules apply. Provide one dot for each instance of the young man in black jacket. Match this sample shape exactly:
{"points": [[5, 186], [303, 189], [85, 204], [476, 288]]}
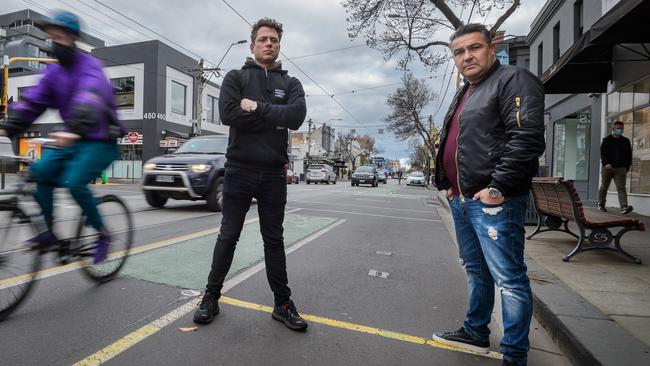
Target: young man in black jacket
{"points": [[491, 141], [260, 103], [616, 156]]}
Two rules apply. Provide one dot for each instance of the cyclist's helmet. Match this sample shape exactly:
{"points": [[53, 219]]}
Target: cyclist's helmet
{"points": [[64, 20]]}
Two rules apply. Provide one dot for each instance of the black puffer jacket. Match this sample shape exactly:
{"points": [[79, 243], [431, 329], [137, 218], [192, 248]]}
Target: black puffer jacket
{"points": [[501, 133], [259, 139]]}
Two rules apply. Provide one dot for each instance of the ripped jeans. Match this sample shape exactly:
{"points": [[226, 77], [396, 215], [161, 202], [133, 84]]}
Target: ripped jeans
{"points": [[491, 248]]}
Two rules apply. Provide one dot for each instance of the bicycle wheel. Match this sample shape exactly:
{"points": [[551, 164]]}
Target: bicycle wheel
{"points": [[19, 266], [119, 223]]}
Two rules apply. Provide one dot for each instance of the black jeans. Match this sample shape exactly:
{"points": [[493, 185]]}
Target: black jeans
{"points": [[270, 190]]}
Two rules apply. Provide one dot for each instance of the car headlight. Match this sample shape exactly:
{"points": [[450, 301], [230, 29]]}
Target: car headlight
{"points": [[149, 166], [200, 168]]}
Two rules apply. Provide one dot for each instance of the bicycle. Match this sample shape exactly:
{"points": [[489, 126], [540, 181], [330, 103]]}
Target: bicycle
{"points": [[20, 264]]}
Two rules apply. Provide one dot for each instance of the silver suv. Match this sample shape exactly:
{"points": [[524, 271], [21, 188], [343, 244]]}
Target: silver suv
{"points": [[322, 173]]}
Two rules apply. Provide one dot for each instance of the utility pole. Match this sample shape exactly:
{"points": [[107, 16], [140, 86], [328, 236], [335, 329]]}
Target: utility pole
{"points": [[309, 143], [201, 81]]}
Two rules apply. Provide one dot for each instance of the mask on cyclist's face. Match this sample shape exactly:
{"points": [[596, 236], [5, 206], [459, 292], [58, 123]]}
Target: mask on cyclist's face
{"points": [[64, 54]]}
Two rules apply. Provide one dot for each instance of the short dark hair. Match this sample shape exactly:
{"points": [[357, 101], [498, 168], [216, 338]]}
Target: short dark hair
{"points": [[472, 28], [266, 22], [618, 123]]}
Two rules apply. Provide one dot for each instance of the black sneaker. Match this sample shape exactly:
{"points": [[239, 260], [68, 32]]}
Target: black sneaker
{"points": [[208, 309], [462, 339], [602, 208], [288, 314], [626, 210]]}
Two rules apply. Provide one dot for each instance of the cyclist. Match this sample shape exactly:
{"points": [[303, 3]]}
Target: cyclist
{"points": [[78, 88]]}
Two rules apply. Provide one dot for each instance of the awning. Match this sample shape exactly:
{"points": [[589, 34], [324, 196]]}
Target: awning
{"points": [[587, 66]]}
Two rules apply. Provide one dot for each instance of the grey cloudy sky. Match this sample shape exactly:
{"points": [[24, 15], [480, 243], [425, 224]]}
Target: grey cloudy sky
{"points": [[311, 26]]}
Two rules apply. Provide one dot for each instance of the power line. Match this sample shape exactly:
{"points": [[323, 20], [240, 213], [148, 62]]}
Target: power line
{"points": [[152, 31], [96, 18], [329, 51], [298, 67]]}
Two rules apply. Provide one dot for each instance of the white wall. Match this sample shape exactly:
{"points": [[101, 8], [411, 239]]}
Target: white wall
{"points": [[137, 71], [188, 81], [51, 115], [209, 126]]}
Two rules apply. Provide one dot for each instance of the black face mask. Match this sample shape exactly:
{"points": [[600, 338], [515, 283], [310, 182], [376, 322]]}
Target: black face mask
{"points": [[64, 54]]}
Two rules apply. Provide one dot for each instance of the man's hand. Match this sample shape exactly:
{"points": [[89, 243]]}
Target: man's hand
{"points": [[248, 105], [485, 197], [608, 167], [64, 139], [450, 195]]}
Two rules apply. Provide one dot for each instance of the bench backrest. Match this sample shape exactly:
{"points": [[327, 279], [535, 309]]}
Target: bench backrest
{"points": [[557, 197]]}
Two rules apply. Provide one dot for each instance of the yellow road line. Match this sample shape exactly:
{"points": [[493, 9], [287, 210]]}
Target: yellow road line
{"points": [[49, 272], [142, 333], [362, 328]]}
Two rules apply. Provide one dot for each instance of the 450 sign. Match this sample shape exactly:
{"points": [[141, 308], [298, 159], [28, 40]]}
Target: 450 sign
{"points": [[152, 115]]}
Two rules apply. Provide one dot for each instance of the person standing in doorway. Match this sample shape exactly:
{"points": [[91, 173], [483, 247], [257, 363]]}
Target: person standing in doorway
{"points": [[492, 138], [616, 158], [260, 103]]}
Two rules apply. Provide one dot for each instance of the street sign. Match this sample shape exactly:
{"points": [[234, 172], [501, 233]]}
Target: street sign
{"points": [[133, 137]]}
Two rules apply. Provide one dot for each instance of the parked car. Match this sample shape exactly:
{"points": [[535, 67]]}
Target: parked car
{"points": [[292, 177], [382, 175], [320, 173], [416, 179], [193, 172], [365, 175]]}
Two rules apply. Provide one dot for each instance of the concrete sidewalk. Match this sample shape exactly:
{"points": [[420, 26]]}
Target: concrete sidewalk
{"points": [[596, 307]]}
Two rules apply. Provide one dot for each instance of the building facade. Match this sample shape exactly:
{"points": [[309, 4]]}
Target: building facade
{"points": [[594, 60]]}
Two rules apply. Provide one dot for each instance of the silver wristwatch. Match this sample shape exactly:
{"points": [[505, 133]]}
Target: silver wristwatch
{"points": [[494, 193]]}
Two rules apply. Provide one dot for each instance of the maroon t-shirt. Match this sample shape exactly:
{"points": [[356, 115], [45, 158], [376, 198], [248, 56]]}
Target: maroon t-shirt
{"points": [[449, 154]]}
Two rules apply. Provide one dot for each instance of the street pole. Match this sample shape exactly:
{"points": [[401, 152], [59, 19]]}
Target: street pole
{"points": [[201, 82], [309, 143]]}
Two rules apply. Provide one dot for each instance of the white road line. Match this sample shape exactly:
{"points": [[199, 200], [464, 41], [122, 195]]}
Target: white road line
{"points": [[373, 215], [153, 327], [363, 206]]}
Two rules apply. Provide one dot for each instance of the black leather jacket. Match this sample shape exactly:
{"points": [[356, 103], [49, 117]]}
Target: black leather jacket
{"points": [[501, 133]]}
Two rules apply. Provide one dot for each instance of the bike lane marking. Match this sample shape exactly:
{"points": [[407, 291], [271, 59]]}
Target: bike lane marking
{"points": [[153, 327], [54, 271]]}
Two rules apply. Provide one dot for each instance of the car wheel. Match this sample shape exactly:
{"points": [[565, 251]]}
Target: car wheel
{"points": [[327, 181], [154, 199], [308, 182], [385, 181], [215, 196], [297, 181]]}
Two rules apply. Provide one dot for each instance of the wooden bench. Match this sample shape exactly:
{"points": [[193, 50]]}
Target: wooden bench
{"points": [[557, 203]]}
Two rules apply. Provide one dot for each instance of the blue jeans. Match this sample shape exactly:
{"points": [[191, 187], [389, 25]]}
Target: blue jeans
{"points": [[491, 248], [240, 186], [72, 167]]}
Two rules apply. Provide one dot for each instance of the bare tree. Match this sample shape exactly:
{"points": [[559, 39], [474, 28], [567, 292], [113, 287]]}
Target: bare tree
{"points": [[412, 28], [344, 148], [406, 120], [419, 155]]}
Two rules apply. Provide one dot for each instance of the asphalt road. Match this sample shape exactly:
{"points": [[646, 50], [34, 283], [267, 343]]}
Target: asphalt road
{"points": [[373, 269]]}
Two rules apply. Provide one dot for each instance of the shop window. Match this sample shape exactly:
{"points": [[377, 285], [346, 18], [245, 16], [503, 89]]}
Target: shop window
{"points": [[642, 93], [626, 101], [640, 171], [22, 91], [124, 89], [213, 113], [571, 146], [178, 98], [612, 103]]}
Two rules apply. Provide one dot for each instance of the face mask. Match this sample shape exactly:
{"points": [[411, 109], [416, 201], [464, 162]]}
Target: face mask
{"points": [[64, 54], [618, 132]]}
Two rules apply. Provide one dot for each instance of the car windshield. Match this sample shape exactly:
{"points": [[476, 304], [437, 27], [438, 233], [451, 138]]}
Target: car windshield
{"points": [[364, 169], [316, 166], [417, 174], [204, 145]]}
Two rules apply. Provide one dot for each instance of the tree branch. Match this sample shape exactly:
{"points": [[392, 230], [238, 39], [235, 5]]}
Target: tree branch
{"points": [[448, 13], [502, 18]]}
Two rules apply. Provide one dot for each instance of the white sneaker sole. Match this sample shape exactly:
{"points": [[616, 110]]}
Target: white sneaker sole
{"points": [[461, 345]]}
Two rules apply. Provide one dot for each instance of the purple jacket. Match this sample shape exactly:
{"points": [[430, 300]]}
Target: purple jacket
{"points": [[83, 96]]}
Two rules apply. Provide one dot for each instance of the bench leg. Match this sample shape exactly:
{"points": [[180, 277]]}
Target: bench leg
{"points": [[539, 226], [617, 245], [577, 249]]}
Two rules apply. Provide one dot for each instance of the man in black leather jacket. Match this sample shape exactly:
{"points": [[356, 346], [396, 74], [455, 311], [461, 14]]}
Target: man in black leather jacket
{"points": [[260, 103], [491, 141]]}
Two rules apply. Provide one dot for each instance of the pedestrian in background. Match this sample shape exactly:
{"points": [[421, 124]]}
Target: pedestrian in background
{"points": [[260, 103], [399, 177], [492, 137], [616, 158]]}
